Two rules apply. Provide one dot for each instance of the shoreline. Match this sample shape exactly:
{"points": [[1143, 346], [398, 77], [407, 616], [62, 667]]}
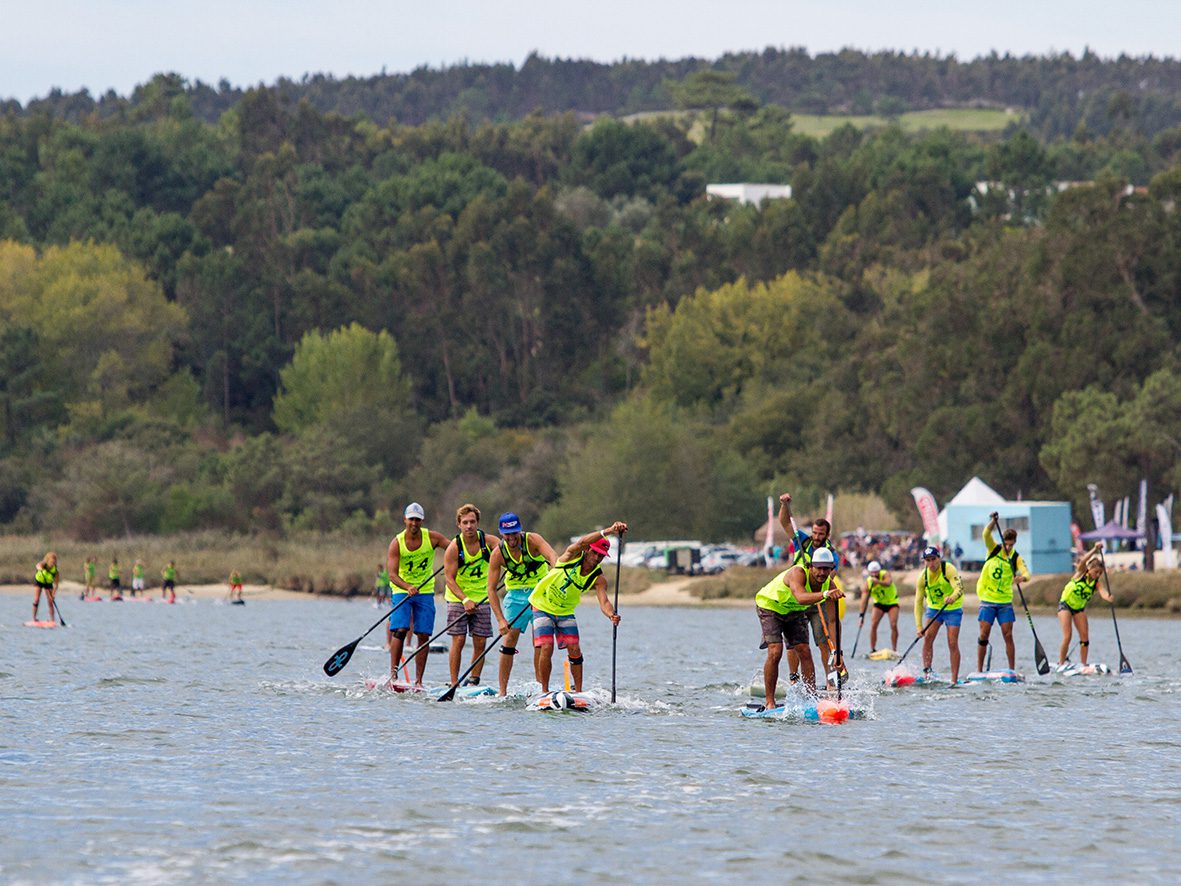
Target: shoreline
{"points": [[672, 593]]}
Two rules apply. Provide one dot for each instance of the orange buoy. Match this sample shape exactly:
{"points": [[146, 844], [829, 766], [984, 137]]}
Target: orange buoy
{"points": [[830, 711]]}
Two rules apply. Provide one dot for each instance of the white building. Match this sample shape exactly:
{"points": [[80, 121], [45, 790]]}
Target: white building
{"points": [[748, 192]]}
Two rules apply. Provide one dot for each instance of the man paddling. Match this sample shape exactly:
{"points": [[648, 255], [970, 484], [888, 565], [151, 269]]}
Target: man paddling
{"points": [[46, 579], [1003, 568], [556, 596], [939, 600], [524, 558], [806, 546], [782, 606], [465, 567], [410, 561]]}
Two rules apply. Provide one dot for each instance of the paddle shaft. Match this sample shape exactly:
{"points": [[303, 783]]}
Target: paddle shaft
{"points": [[1039, 654], [922, 632], [857, 639], [340, 658], [450, 693], [615, 606], [1125, 666], [839, 661]]}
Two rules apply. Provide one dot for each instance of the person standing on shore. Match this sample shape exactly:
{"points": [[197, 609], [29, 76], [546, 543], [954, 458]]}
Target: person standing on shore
{"points": [[939, 588], [1003, 568], [465, 568], [806, 546], [113, 578], [168, 588], [410, 561], [524, 558], [880, 587], [137, 577], [1072, 605], [556, 596], [46, 579], [782, 606]]}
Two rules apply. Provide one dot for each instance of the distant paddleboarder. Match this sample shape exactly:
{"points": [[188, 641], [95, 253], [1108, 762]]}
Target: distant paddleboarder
{"points": [[1003, 568], [410, 561], [235, 586], [880, 588], [523, 558], [1072, 605], [168, 576], [46, 579], [113, 578], [576, 571]]}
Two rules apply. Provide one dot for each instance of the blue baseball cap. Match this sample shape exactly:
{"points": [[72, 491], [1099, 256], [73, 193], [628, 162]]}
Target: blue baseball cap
{"points": [[932, 552], [510, 522]]}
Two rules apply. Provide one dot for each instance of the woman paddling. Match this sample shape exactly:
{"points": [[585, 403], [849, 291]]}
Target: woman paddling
{"points": [[46, 580], [1073, 604]]}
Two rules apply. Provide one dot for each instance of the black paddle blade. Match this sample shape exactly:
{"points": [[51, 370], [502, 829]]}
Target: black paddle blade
{"points": [[1124, 666], [1043, 663], [340, 658], [449, 694]]}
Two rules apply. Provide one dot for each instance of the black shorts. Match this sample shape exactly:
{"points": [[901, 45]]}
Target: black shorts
{"points": [[41, 584], [169, 584], [114, 584], [885, 607], [791, 628], [1063, 606]]}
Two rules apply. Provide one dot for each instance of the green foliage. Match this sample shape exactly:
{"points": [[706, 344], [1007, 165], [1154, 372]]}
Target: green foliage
{"points": [[665, 473]]}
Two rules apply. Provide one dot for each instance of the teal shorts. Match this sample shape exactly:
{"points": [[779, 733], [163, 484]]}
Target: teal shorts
{"points": [[516, 601]]}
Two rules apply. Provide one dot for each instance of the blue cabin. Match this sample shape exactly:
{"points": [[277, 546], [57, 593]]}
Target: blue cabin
{"points": [[1043, 532]]}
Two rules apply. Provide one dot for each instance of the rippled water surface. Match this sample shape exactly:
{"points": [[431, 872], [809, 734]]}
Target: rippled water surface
{"points": [[197, 743]]}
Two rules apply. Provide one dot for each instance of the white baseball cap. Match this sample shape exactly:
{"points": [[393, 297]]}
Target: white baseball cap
{"points": [[823, 557], [874, 567], [414, 509]]}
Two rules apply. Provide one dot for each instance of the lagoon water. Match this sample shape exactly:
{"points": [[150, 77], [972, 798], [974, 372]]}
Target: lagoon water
{"points": [[203, 743]]}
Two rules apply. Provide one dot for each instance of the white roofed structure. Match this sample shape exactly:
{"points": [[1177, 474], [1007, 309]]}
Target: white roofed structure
{"points": [[748, 192]]}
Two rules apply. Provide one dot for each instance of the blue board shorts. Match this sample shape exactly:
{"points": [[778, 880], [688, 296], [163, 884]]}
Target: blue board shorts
{"points": [[547, 628], [516, 601], [421, 609], [1001, 613], [953, 618]]}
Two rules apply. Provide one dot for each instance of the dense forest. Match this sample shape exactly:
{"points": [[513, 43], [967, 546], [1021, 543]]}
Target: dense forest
{"points": [[1062, 95], [278, 317]]}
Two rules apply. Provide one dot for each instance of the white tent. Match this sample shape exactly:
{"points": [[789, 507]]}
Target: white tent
{"points": [[975, 492]]}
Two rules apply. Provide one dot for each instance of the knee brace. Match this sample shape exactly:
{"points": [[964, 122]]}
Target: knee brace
{"points": [[508, 650], [1084, 642], [576, 661], [400, 633], [981, 642]]}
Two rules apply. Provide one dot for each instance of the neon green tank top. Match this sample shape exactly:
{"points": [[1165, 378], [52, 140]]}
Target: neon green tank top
{"points": [[883, 594], [46, 575], [559, 592], [137, 571], [995, 584], [776, 596], [113, 572], [939, 589], [414, 566], [168, 573], [90, 570], [522, 574], [1078, 592], [472, 575]]}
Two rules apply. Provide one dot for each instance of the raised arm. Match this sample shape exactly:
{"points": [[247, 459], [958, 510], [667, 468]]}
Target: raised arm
{"points": [[579, 546]]}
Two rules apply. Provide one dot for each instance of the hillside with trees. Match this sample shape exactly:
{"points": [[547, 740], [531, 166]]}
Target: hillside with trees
{"points": [[271, 317]]}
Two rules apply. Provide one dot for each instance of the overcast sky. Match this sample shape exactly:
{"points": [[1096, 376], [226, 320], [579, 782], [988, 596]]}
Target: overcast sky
{"points": [[115, 44]]}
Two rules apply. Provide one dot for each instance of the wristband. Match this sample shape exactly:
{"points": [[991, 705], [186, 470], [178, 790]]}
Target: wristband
{"points": [[602, 534]]}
